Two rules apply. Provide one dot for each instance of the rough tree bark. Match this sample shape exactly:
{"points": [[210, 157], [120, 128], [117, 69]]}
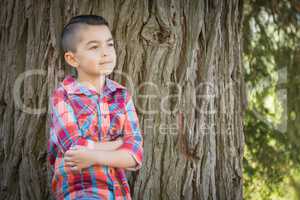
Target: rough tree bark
{"points": [[185, 54]]}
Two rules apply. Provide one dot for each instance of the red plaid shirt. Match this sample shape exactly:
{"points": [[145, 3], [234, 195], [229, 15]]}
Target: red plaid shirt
{"points": [[79, 116]]}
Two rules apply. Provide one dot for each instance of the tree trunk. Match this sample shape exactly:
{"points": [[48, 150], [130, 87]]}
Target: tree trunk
{"points": [[180, 59]]}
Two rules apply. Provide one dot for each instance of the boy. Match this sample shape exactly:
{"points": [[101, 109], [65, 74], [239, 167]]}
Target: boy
{"points": [[94, 130]]}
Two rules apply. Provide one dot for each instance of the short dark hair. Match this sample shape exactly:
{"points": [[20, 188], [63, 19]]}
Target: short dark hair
{"points": [[69, 38]]}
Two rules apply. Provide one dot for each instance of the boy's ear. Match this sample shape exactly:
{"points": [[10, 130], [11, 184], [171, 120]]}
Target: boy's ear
{"points": [[70, 59]]}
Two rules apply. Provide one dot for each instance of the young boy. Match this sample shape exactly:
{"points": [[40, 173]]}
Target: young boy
{"points": [[94, 130]]}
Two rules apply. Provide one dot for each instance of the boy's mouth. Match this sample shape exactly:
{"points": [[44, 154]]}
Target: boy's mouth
{"points": [[104, 62]]}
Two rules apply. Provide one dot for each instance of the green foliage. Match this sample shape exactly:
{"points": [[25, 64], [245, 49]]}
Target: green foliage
{"points": [[271, 38]]}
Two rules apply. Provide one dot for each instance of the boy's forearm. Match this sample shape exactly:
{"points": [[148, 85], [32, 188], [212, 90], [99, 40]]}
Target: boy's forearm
{"points": [[116, 158], [108, 146]]}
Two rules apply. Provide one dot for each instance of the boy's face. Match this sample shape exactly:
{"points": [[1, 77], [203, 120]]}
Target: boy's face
{"points": [[95, 53]]}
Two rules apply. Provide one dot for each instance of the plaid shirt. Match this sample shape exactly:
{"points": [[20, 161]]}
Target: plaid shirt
{"points": [[79, 116]]}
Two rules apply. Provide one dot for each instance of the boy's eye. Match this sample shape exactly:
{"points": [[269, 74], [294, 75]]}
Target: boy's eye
{"points": [[111, 44], [94, 47]]}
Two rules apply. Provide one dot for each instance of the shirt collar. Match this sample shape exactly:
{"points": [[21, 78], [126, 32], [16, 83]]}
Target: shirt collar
{"points": [[72, 86]]}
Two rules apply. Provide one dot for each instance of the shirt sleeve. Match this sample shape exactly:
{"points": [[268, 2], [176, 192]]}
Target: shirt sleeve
{"points": [[52, 154], [132, 139], [64, 130]]}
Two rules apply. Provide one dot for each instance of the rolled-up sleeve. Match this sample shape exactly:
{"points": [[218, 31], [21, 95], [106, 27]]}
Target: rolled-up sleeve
{"points": [[132, 139], [64, 130]]}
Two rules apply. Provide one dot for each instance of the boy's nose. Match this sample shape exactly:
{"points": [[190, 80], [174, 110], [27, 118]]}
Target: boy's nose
{"points": [[105, 51]]}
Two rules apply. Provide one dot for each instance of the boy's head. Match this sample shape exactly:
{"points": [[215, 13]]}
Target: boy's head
{"points": [[88, 45]]}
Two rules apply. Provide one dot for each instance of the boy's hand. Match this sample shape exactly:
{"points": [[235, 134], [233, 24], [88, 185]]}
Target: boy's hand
{"points": [[79, 157]]}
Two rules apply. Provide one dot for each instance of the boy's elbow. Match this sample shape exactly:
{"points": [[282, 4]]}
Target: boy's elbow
{"points": [[132, 163]]}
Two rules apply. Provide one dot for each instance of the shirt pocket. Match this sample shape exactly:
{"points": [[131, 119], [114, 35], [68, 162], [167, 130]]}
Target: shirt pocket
{"points": [[86, 118], [117, 122]]}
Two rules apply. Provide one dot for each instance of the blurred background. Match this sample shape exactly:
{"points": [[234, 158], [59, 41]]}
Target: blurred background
{"points": [[271, 61]]}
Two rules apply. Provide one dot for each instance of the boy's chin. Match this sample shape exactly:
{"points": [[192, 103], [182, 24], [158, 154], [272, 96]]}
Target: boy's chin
{"points": [[106, 72]]}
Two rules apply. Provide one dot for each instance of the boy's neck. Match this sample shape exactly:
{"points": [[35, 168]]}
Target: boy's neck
{"points": [[94, 83]]}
